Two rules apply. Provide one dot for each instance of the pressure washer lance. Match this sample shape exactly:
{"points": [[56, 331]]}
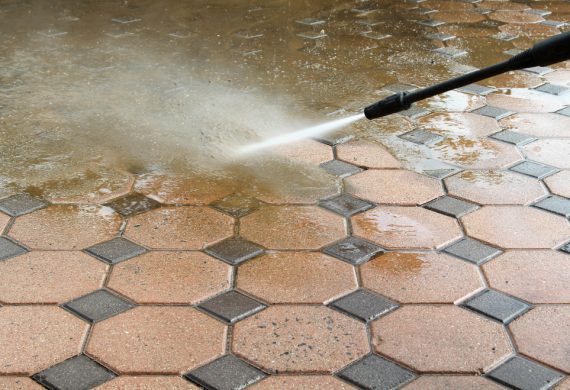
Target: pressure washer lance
{"points": [[547, 52]]}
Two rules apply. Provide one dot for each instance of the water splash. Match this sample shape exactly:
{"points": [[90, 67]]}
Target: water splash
{"points": [[310, 132]]}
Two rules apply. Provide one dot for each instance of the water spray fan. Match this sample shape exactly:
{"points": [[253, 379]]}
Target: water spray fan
{"points": [[547, 52]]}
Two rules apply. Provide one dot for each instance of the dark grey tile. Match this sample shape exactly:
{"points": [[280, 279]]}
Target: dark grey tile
{"points": [[540, 12], [232, 306], [20, 204], [441, 173], [496, 305], [441, 37], [552, 89], [554, 23], [513, 52], [493, 112], [450, 52], [503, 36], [98, 305], [431, 22], [116, 250], [482, 11], [226, 373], [353, 250], [369, 22], [451, 206], [539, 70], [512, 137], [425, 11], [132, 204], [564, 111], [236, 205], [472, 250], [565, 248], [346, 205], [77, 373], [476, 89], [421, 137], [556, 205], [234, 250], [310, 21], [524, 374], [10, 249], [414, 112], [377, 373], [340, 168], [364, 305], [126, 19], [534, 169], [471, 1]]}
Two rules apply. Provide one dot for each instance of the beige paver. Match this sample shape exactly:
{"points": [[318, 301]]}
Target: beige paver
{"points": [[306, 152], [559, 183], [450, 382], [527, 102], [4, 220], [301, 382], [515, 17], [560, 77], [555, 152], [475, 153], [18, 383], [367, 154], [147, 383], [459, 123], [538, 125]]}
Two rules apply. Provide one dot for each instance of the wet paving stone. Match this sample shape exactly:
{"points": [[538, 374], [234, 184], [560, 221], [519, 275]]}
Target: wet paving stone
{"points": [[340, 168], [450, 206], [473, 251], [521, 373], [431, 22], [310, 21], [554, 23], [451, 52], [364, 305], [539, 70], [552, 89], [493, 112], [513, 137], [236, 205], [346, 205], [375, 372], [133, 204], [77, 373], [234, 250], [513, 52], [505, 37], [441, 37], [126, 19], [98, 306], [421, 137], [17, 205], [441, 173], [10, 249], [534, 169], [556, 205], [564, 111], [353, 250], [116, 250], [399, 87], [414, 112], [226, 373], [540, 12], [367, 154], [497, 305], [476, 89], [232, 306]]}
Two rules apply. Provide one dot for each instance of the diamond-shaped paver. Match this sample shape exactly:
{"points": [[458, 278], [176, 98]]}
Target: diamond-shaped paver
{"points": [[513, 52], [310, 21], [399, 87], [77, 373], [21, 204], [513, 137], [476, 89], [234, 250], [346, 205], [556, 205], [132, 204], [9, 249], [473, 250], [126, 19], [375, 372], [340, 168], [441, 173], [502, 36], [353, 250], [493, 112], [564, 111], [237, 206], [364, 305], [98, 306], [565, 248], [414, 112], [116, 250], [421, 137], [232, 306], [554, 23], [539, 70], [431, 22], [524, 374], [441, 36], [540, 12], [334, 138], [450, 52], [497, 305], [451, 206], [226, 373], [534, 169], [552, 89], [312, 34]]}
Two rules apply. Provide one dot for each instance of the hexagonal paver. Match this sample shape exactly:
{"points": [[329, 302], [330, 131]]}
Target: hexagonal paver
{"points": [[49, 277], [473, 153], [559, 183], [367, 154], [170, 189], [157, 340], [191, 227], [292, 227], [394, 187], [544, 334], [237, 205], [301, 382], [66, 227], [148, 382], [37, 337], [555, 152], [559, 77], [449, 338], [509, 16], [517, 227], [420, 277], [4, 220], [406, 227], [18, 383], [538, 125], [291, 277], [464, 123], [525, 100], [495, 187], [306, 152], [300, 339], [438, 382], [170, 277]]}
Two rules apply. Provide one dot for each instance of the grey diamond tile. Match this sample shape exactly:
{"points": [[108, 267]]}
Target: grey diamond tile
{"points": [[441, 173], [9, 249], [21, 204], [502, 36], [476, 89], [425, 11], [554, 23], [226, 373], [340, 168], [312, 34], [556, 205], [364, 305], [310, 21], [378, 36], [513, 52], [132, 204], [375, 372], [353, 250], [512, 137], [116, 250], [482, 11], [539, 70], [414, 112], [441, 37], [98, 306], [534, 169], [472, 250], [552, 89], [493, 112], [236, 205], [421, 137], [450, 52], [334, 138], [346, 205], [126, 19], [565, 248], [496, 305], [399, 87], [471, 1], [524, 374], [540, 12], [564, 111], [232, 306], [77, 373], [431, 22], [234, 250], [451, 206]]}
